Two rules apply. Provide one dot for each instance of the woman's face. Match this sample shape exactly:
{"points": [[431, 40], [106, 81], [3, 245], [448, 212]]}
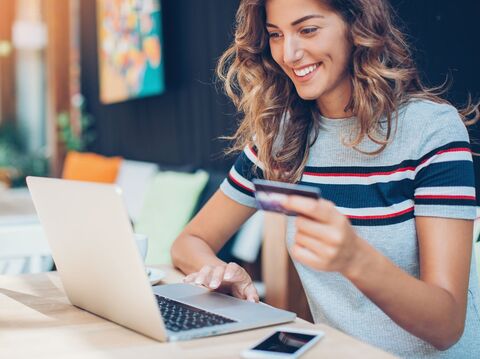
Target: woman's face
{"points": [[308, 41]]}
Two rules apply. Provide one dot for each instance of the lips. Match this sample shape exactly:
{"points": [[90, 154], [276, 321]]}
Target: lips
{"points": [[306, 70], [306, 73]]}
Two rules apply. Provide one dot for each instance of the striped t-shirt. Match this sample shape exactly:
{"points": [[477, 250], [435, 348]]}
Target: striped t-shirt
{"points": [[426, 170]]}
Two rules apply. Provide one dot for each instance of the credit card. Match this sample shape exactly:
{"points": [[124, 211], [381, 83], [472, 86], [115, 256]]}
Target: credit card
{"points": [[269, 194]]}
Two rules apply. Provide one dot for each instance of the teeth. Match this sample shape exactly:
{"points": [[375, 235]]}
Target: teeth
{"points": [[305, 71]]}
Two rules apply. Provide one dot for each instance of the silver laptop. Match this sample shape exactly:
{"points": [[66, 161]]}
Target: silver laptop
{"points": [[91, 238]]}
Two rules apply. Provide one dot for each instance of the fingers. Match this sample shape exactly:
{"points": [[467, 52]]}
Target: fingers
{"points": [[305, 256], [250, 293], [214, 276], [228, 276], [234, 273], [190, 278], [321, 209], [203, 276], [217, 277], [318, 248], [326, 233]]}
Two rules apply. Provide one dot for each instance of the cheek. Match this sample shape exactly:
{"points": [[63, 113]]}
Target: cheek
{"points": [[342, 60], [277, 55], [341, 54], [337, 56]]}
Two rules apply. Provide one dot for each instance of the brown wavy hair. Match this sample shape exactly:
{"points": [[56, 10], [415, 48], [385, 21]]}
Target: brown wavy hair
{"points": [[382, 71]]}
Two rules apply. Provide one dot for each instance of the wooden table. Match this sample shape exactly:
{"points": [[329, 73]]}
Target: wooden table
{"points": [[37, 321]]}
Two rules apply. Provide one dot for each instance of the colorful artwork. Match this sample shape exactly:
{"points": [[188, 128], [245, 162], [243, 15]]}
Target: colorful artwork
{"points": [[130, 50]]}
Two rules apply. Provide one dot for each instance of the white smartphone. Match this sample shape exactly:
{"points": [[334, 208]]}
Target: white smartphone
{"points": [[287, 343]]}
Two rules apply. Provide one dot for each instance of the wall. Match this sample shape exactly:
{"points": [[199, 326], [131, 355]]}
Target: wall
{"points": [[180, 126]]}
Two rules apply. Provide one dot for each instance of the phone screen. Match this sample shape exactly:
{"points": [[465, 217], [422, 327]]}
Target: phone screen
{"points": [[284, 342]]}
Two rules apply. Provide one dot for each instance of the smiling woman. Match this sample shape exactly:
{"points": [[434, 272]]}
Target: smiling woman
{"points": [[331, 98], [314, 52]]}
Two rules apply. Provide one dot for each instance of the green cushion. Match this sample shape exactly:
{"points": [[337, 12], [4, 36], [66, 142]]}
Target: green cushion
{"points": [[169, 203]]}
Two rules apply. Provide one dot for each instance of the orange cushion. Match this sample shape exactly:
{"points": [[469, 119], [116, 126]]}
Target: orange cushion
{"points": [[91, 167]]}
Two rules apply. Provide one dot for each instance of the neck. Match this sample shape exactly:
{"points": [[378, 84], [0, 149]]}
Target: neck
{"points": [[332, 104]]}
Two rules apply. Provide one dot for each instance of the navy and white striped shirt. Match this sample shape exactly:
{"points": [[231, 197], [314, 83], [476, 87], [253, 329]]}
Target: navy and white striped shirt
{"points": [[426, 170]]}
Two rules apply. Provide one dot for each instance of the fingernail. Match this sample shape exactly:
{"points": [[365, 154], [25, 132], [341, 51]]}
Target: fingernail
{"points": [[198, 281], [228, 276], [214, 284], [251, 300]]}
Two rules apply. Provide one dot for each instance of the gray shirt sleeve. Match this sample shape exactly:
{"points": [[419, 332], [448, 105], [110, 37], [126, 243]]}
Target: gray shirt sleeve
{"points": [[444, 177]]}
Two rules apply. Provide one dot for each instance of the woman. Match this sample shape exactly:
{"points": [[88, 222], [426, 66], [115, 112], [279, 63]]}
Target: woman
{"points": [[331, 98]]}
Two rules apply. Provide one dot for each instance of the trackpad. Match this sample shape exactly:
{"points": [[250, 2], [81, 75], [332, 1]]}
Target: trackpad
{"points": [[212, 301]]}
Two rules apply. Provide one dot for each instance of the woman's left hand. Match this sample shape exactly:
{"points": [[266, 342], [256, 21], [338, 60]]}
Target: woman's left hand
{"points": [[325, 239]]}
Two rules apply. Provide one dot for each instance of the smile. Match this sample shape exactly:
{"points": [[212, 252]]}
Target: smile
{"points": [[306, 70]]}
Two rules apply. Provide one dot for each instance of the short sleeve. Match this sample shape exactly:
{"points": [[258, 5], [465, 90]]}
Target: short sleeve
{"points": [[444, 176], [238, 184]]}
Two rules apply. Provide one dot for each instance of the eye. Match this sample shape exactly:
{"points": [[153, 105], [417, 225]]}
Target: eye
{"points": [[274, 35], [308, 30]]}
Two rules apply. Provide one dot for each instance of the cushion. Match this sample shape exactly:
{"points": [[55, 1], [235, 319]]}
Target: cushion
{"points": [[91, 167], [134, 178], [169, 203]]}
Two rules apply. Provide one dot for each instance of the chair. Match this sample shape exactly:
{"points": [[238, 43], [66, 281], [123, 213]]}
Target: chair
{"points": [[283, 288], [91, 167], [23, 247], [134, 178]]}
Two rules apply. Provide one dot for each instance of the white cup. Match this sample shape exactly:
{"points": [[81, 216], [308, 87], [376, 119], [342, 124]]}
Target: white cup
{"points": [[142, 244]]}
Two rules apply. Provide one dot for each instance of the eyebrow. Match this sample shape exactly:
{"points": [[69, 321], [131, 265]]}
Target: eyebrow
{"points": [[296, 22]]}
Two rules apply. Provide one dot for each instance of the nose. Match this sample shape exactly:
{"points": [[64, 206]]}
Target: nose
{"points": [[292, 51]]}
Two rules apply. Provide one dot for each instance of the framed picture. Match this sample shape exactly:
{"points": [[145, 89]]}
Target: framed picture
{"points": [[130, 53]]}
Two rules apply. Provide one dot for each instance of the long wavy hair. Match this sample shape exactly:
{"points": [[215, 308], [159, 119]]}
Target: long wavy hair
{"points": [[382, 71]]}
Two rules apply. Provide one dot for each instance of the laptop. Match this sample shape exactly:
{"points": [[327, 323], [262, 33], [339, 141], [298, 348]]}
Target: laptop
{"points": [[91, 239]]}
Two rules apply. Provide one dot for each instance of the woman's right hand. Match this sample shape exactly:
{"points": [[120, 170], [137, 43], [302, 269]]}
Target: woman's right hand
{"points": [[228, 277]]}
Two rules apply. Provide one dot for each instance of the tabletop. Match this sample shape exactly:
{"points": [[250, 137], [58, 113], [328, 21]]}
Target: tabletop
{"points": [[38, 321]]}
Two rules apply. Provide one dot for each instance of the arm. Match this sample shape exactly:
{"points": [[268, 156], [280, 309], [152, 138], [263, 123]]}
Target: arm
{"points": [[194, 250], [325, 240], [439, 297]]}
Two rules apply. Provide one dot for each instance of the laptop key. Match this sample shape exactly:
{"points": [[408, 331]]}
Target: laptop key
{"points": [[178, 316]]}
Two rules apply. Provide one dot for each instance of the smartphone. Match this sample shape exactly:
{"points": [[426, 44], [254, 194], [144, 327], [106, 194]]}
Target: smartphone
{"points": [[268, 194], [287, 343]]}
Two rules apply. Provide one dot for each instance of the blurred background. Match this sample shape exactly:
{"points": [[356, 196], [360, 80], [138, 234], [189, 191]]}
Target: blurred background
{"points": [[52, 75], [131, 83]]}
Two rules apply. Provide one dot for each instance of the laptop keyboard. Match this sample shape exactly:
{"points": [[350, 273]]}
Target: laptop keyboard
{"points": [[179, 316]]}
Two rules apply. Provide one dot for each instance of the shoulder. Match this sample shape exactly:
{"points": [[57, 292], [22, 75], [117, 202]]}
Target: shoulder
{"points": [[425, 113], [431, 124]]}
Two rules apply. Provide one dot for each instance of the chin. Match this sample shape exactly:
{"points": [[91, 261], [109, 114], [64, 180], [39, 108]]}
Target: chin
{"points": [[308, 96]]}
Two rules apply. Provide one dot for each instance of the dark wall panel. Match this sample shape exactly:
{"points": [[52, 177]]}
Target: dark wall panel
{"points": [[445, 36]]}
